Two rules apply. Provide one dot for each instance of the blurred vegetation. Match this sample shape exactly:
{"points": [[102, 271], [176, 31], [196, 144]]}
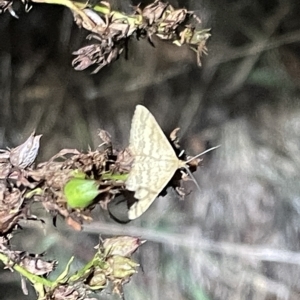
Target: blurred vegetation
{"points": [[239, 237]]}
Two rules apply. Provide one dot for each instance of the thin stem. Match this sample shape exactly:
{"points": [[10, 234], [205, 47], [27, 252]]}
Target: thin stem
{"points": [[34, 279]]}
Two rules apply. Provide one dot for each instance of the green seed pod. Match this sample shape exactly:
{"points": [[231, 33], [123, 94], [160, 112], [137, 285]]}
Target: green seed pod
{"points": [[80, 193], [97, 280], [121, 267]]}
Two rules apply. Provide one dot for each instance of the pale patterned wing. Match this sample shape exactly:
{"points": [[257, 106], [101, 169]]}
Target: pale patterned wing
{"points": [[147, 179], [155, 161], [146, 136]]}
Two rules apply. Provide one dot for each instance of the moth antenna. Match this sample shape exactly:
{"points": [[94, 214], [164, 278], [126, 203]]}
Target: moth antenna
{"points": [[202, 153], [189, 171], [193, 178]]}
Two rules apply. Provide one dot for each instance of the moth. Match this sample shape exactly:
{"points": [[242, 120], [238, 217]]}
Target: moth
{"points": [[155, 161]]}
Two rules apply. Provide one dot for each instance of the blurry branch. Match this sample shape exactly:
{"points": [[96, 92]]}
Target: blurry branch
{"points": [[111, 30], [258, 47], [269, 26], [257, 253], [144, 81]]}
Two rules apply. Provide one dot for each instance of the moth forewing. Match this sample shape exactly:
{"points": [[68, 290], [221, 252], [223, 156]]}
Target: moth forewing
{"points": [[146, 136], [138, 208], [155, 161], [146, 196], [153, 176]]}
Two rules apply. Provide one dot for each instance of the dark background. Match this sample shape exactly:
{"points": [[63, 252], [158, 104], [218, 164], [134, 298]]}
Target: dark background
{"points": [[236, 239]]}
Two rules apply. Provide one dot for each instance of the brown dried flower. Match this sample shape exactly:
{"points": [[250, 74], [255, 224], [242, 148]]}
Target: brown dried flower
{"points": [[153, 12], [122, 245], [102, 54], [24, 155]]}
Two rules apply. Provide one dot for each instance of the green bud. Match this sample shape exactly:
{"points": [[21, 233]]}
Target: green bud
{"points": [[121, 267], [80, 193], [97, 280]]}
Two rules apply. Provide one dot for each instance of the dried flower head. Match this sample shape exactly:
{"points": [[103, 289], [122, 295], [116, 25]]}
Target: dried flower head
{"points": [[153, 12], [24, 155], [121, 245], [101, 53]]}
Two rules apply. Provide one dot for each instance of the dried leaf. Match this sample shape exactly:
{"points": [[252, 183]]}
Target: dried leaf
{"points": [[121, 245], [36, 265], [24, 155]]}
